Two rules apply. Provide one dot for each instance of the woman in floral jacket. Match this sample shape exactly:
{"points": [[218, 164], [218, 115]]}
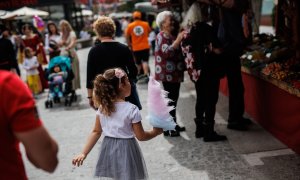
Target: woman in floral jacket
{"points": [[169, 64], [204, 61]]}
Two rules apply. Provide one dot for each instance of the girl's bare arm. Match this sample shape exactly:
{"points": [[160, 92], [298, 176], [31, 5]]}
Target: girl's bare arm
{"points": [[143, 135], [91, 141]]}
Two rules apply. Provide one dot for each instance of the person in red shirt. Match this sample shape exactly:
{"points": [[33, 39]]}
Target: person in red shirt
{"points": [[137, 34], [20, 122]]}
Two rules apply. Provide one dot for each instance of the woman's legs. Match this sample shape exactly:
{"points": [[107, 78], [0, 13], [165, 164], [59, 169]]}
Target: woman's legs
{"points": [[207, 90], [199, 108]]}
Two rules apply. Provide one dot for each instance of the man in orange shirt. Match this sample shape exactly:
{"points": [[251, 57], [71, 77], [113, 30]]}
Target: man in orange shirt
{"points": [[137, 39]]}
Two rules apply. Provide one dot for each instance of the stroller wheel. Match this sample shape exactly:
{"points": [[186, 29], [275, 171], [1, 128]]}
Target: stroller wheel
{"points": [[46, 104], [70, 103], [56, 100], [75, 97], [66, 102]]}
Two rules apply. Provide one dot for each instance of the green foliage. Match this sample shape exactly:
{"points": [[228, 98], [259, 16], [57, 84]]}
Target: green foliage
{"points": [[129, 6]]}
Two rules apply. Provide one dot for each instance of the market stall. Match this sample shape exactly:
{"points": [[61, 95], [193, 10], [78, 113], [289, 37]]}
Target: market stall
{"points": [[271, 76]]}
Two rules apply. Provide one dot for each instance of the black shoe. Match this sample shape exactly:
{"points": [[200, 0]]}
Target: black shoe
{"points": [[199, 134], [179, 128], [171, 133], [141, 76], [246, 121], [166, 133], [143, 80], [237, 126], [214, 137]]}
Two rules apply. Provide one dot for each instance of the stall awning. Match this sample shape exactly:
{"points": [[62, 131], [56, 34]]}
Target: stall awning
{"points": [[26, 11]]}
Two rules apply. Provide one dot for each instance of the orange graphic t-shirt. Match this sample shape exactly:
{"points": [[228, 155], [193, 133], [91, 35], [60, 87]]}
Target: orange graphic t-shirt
{"points": [[139, 32]]}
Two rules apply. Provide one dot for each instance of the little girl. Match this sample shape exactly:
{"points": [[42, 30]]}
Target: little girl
{"points": [[120, 122], [31, 65]]}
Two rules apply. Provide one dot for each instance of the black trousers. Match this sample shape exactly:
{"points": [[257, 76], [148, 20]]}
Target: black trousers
{"points": [[173, 89], [207, 91], [235, 86]]}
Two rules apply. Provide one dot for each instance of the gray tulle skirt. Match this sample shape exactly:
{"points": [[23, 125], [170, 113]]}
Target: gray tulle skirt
{"points": [[120, 159]]}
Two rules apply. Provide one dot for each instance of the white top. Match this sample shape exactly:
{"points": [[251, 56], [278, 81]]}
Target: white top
{"points": [[71, 35], [63, 51], [30, 63], [55, 38], [152, 36], [124, 25], [119, 123]]}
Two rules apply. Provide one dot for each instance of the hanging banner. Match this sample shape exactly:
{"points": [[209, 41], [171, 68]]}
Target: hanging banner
{"points": [[165, 3], [14, 4], [10, 4]]}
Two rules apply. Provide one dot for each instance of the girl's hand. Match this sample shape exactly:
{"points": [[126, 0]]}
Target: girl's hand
{"points": [[78, 160], [157, 131]]}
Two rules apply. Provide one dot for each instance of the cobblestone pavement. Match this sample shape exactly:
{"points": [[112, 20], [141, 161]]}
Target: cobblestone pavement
{"points": [[252, 155]]}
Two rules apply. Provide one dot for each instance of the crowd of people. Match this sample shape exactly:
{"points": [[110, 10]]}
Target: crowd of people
{"points": [[111, 86]]}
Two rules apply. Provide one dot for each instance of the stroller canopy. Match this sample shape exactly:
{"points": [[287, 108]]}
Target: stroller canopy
{"points": [[63, 62]]}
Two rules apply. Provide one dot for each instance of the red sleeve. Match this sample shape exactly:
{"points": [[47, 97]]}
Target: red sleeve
{"points": [[19, 106]]}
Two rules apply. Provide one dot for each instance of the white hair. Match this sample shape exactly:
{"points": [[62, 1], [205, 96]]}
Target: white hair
{"points": [[161, 17]]}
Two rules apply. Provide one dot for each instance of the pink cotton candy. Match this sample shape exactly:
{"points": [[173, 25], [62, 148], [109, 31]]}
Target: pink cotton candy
{"points": [[157, 100]]}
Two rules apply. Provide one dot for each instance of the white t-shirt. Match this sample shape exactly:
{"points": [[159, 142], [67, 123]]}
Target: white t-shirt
{"points": [[119, 123], [124, 25], [152, 36], [55, 38], [29, 63]]}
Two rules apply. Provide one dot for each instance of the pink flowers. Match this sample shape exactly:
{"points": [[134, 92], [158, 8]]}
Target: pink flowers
{"points": [[119, 73], [195, 74]]}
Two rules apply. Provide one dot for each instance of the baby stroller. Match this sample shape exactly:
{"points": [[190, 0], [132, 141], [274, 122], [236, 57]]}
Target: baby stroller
{"points": [[60, 81]]}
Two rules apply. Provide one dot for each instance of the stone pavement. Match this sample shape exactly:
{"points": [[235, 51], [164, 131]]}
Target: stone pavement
{"points": [[251, 155]]}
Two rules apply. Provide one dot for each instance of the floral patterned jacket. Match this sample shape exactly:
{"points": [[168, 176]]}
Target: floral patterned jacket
{"points": [[189, 56], [169, 64], [195, 49]]}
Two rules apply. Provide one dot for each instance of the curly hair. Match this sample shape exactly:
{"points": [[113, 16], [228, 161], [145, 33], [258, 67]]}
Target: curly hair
{"points": [[106, 91], [104, 26]]}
